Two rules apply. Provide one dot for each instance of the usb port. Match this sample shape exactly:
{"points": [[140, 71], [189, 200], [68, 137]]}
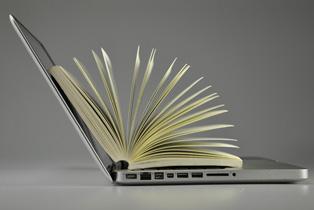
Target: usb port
{"points": [[197, 175], [145, 176], [170, 175], [159, 175], [182, 175], [131, 176]]}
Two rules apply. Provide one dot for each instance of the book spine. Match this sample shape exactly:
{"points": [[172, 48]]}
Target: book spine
{"points": [[121, 165]]}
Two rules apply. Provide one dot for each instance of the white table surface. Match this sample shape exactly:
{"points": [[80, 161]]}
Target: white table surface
{"points": [[86, 188]]}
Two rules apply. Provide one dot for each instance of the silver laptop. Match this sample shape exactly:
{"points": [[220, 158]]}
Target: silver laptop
{"points": [[254, 170]]}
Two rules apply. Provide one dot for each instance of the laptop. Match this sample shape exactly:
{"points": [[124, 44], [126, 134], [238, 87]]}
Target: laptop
{"points": [[254, 170]]}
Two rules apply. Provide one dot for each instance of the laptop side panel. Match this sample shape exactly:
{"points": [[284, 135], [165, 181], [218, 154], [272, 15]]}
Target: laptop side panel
{"points": [[255, 170]]}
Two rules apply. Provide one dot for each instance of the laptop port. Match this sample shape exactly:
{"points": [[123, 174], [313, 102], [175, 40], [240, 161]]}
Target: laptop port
{"points": [[217, 174], [182, 175], [197, 175], [159, 175], [170, 175], [145, 176], [131, 176]]}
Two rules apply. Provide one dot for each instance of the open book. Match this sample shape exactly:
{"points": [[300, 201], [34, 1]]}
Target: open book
{"points": [[161, 134]]}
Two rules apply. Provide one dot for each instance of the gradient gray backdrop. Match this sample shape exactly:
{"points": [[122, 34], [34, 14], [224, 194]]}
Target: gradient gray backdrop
{"points": [[257, 54]]}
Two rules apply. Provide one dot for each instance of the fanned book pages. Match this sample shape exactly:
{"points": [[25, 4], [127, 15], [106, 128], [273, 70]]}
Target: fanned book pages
{"points": [[158, 133]]}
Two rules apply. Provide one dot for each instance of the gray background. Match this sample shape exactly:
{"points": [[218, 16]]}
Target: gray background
{"points": [[257, 54]]}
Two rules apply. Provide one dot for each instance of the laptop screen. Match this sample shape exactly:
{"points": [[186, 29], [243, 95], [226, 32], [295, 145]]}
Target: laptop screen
{"points": [[37, 47], [42, 57]]}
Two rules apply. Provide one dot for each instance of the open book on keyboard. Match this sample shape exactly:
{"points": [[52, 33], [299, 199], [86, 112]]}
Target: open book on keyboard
{"points": [[158, 132]]}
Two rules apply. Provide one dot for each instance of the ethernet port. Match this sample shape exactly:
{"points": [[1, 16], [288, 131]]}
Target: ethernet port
{"points": [[145, 176]]}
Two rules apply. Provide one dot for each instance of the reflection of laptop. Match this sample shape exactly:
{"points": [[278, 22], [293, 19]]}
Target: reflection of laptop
{"points": [[258, 170]]}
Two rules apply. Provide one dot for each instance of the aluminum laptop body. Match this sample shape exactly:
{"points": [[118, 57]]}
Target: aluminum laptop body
{"points": [[254, 170]]}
